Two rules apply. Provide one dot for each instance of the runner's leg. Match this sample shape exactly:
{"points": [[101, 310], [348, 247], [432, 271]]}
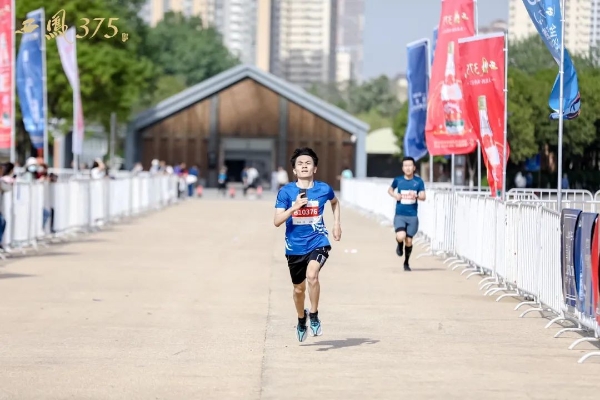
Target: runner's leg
{"points": [[400, 227]]}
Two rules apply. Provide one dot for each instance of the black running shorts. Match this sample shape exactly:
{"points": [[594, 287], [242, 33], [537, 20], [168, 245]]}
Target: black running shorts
{"points": [[299, 264]]}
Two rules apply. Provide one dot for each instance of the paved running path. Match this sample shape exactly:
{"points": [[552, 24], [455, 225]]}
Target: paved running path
{"points": [[194, 302]]}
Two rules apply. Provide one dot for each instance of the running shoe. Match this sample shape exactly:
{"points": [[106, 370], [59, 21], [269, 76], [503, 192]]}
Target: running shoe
{"points": [[315, 325], [301, 329]]}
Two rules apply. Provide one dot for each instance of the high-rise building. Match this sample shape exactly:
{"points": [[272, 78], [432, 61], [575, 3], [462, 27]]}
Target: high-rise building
{"points": [[303, 41], [595, 24], [236, 20], [154, 10], [351, 21], [578, 30]]}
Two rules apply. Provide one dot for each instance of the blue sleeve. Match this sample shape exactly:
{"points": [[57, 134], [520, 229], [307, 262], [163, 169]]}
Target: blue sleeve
{"points": [[421, 186], [394, 183], [283, 200], [330, 193]]}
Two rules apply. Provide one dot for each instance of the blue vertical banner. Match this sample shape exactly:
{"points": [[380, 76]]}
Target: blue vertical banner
{"points": [[30, 80], [418, 86], [433, 44], [546, 15]]}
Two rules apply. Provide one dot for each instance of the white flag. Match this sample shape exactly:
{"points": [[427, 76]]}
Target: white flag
{"points": [[67, 51]]}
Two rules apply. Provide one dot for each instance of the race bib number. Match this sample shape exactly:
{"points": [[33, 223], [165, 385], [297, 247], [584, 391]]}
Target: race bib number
{"points": [[408, 197], [307, 215]]}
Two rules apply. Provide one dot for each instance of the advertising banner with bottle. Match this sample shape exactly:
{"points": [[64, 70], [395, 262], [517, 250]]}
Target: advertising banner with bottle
{"points": [[583, 254], [546, 16], [418, 81], [595, 262], [481, 68], [447, 129], [30, 80], [7, 94], [569, 268]]}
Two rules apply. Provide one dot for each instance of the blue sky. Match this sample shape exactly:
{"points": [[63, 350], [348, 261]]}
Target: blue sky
{"points": [[391, 24]]}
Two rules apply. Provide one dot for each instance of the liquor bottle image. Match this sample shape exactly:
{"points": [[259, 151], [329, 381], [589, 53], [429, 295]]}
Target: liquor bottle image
{"points": [[451, 96], [487, 140], [4, 56]]}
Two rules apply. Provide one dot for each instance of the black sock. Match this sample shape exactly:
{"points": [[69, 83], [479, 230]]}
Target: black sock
{"points": [[314, 315], [408, 250], [303, 319], [400, 244]]}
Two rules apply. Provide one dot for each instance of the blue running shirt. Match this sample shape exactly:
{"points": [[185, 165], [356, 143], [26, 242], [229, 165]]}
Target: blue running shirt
{"points": [[305, 229], [406, 206]]}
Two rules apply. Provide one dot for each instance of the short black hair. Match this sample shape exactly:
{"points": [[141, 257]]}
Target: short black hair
{"points": [[304, 151], [409, 159]]}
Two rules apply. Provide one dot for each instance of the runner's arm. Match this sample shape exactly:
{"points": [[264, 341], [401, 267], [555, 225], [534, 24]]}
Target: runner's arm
{"points": [[421, 192], [282, 215], [335, 207]]}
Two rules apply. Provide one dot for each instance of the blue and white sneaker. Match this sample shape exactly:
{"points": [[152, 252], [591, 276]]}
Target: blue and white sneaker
{"points": [[301, 329], [315, 324]]}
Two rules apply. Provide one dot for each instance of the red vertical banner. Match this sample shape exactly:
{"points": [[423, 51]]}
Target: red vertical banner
{"points": [[481, 68], [447, 130], [596, 270], [7, 65]]}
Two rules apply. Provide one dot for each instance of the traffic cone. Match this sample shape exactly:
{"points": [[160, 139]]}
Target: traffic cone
{"points": [[231, 192], [199, 191]]}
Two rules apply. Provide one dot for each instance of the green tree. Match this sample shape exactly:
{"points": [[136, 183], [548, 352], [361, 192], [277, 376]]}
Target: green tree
{"points": [[181, 46], [111, 73]]}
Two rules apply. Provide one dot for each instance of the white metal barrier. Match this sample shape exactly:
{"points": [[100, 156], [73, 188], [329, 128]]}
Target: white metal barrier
{"points": [[34, 212], [516, 243]]}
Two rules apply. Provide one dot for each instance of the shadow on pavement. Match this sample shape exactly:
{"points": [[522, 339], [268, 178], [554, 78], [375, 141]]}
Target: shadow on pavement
{"points": [[10, 276], [340, 344]]}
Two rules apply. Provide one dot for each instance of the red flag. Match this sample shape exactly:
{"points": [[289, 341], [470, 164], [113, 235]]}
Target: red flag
{"points": [[481, 68], [447, 130], [7, 65]]}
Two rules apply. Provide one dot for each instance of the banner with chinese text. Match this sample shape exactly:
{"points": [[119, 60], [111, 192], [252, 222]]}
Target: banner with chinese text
{"points": [[30, 80], [481, 68], [546, 16], [448, 131], [7, 63], [67, 51], [418, 82]]}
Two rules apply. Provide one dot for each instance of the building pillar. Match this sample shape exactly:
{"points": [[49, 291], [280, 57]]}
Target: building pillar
{"points": [[213, 142], [283, 133]]}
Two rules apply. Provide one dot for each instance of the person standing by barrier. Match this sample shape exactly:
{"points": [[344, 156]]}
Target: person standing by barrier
{"points": [[6, 185], [407, 190], [300, 206]]}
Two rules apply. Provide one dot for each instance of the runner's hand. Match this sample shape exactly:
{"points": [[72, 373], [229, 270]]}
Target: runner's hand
{"points": [[300, 202], [337, 232]]}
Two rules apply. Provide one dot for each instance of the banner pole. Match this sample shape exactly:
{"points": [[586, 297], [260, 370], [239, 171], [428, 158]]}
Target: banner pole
{"points": [[561, 108], [428, 83], [504, 160], [476, 22], [45, 89], [13, 105]]}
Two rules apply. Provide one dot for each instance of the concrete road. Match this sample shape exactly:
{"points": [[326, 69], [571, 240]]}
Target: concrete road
{"points": [[194, 302]]}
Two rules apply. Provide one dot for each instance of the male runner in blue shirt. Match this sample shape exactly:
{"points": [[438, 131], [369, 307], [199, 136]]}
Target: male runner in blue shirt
{"points": [[300, 205], [410, 188]]}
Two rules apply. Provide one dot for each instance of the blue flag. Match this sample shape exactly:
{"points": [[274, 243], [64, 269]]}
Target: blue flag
{"points": [[30, 80], [418, 87], [546, 15], [434, 43]]}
